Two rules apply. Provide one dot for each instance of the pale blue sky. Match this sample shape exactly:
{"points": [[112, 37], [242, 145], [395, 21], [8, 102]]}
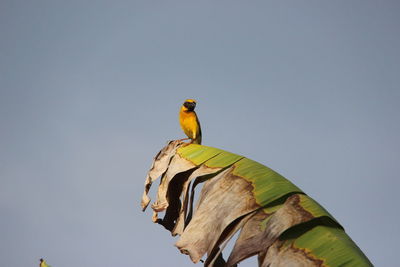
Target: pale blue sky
{"points": [[90, 91]]}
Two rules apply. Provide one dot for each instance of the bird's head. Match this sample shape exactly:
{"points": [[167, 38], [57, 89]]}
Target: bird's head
{"points": [[189, 104]]}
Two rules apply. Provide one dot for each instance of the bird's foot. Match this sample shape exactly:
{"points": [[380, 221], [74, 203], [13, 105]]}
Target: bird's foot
{"points": [[185, 143]]}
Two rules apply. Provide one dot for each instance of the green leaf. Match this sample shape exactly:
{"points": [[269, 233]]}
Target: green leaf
{"points": [[277, 221]]}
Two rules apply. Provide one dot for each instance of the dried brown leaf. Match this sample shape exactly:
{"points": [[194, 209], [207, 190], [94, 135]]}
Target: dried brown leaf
{"points": [[253, 240], [202, 171], [223, 199], [159, 166], [280, 256]]}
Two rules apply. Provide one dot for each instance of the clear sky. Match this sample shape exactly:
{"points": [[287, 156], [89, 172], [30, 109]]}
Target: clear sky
{"points": [[90, 91]]}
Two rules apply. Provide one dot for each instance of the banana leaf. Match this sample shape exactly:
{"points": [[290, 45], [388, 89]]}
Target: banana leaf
{"points": [[277, 221]]}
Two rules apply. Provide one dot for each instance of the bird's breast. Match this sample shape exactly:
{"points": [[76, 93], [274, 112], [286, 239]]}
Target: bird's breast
{"points": [[188, 121]]}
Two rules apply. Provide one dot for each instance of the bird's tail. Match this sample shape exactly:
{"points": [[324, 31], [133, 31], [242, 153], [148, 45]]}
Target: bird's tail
{"points": [[197, 140]]}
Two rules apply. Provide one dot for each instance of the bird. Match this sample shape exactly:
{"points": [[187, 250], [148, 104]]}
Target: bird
{"points": [[190, 122], [43, 263]]}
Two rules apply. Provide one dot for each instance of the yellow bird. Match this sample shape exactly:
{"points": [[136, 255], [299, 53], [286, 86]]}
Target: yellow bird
{"points": [[189, 122], [43, 263]]}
